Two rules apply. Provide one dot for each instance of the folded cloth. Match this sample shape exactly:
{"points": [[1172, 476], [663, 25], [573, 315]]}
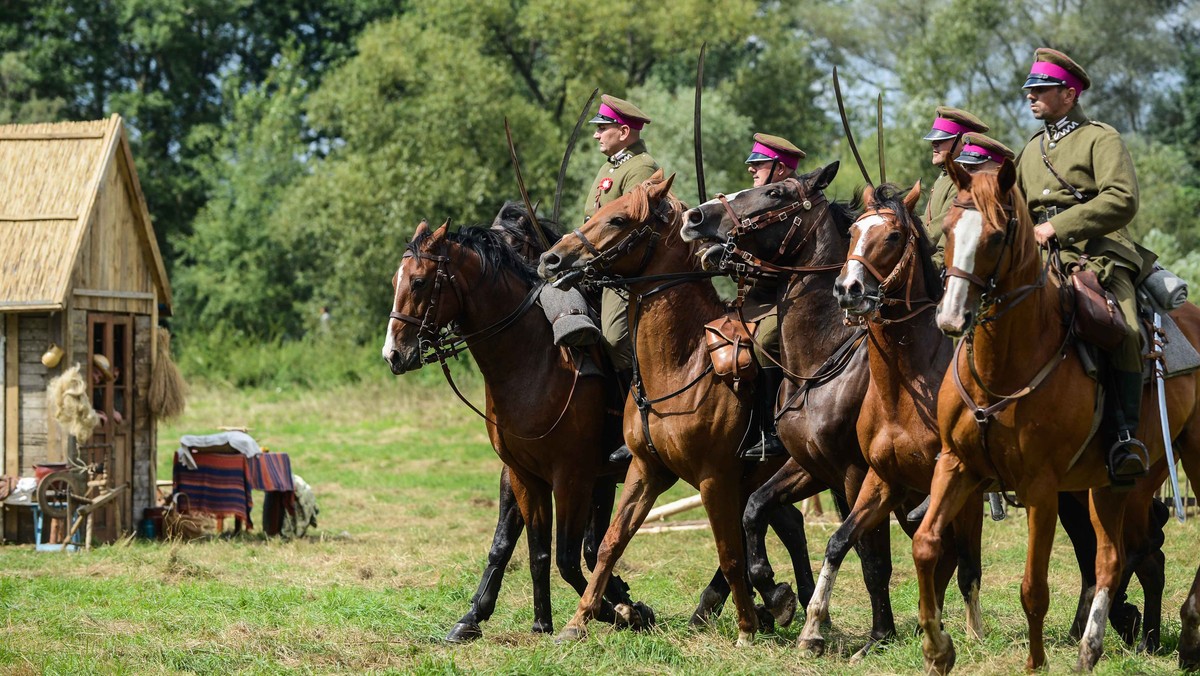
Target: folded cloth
{"points": [[1166, 289], [270, 472], [569, 316], [222, 441], [216, 486]]}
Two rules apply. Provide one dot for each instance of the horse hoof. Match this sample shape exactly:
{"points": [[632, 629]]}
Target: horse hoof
{"points": [[708, 610], [939, 661], [1149, 645], [1128, 625], [766, 621], [647, 620], [464, 632], [866, 650], [570, 634], [543, 628], [745, 639], [815, 646], [782, 604]]}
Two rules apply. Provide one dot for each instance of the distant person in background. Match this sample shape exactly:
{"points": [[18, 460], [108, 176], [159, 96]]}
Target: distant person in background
{"points": [[323, 320]]}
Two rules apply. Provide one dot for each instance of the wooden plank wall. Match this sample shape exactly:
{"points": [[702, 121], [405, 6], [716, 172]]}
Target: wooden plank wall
{"points": [[112, 256], [33, 337]]}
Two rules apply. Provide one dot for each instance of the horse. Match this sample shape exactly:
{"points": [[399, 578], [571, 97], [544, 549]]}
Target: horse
{"points": [[681, 420], [1189, 632], [553, 439], [1023, 439], [773, 229]]}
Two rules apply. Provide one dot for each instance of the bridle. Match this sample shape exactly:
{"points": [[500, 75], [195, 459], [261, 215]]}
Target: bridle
{"points": [[601, 262], [887, 284], [743, 264]]}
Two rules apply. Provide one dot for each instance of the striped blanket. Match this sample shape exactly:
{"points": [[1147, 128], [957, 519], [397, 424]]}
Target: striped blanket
{"points": [[270, 472], [217, 486]]}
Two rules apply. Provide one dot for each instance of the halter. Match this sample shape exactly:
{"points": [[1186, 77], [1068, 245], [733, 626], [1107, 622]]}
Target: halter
{"points": [[744, 264], [601, 261], [886, 283]]}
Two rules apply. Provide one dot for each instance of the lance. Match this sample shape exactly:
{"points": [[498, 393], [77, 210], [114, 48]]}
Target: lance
{"points": [[562, 168], [537, 227]]}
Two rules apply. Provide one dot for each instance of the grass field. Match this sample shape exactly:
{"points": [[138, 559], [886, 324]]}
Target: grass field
{"points": [[407, 489]]}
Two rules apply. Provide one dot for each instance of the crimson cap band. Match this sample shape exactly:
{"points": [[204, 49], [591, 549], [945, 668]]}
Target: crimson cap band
{"points": [[952, 122], [978, 149], [616, 111], [767, 148]]}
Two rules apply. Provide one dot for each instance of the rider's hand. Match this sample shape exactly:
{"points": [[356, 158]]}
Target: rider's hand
{"points": [[1044, 233]]}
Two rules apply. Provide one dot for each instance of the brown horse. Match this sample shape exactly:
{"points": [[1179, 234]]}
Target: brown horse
{"points": [[681, 420], [553, 438], [792, 230], [1016, 341], [1189, 632], [889, 283]]}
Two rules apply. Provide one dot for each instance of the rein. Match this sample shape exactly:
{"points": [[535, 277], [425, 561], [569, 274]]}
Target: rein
{"points": [[439, 346]]}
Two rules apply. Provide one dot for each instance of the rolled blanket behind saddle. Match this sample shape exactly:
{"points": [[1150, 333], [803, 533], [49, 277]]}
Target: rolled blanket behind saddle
{"points": [[1166, 289], [570, 317]]}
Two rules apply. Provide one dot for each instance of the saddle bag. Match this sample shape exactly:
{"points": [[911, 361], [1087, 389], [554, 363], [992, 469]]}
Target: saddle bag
{"points": [[1098, 319], [730, 348]]}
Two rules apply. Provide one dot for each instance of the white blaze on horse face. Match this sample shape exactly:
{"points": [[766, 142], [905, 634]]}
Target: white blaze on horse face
{"points": [[967, 233], [689, 233], [855, 270], [389, 344]]}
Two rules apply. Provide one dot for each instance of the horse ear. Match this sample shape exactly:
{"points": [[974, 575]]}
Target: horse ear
{"points": [[658, 190], [910, 200], [422, 228], [825, 176], [441, 232], [868, 195], [960, 177], [1008, 176], [657, 175]]}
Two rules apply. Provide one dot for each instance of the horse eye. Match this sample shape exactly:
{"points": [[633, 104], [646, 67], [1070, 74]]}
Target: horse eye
{"points": [[616, 221], [418, 283], [893, 237], [774, 194], [995, 239]]}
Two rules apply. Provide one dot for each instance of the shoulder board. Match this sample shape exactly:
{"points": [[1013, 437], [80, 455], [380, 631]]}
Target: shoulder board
{"points": [[1037, 133], [1102, 125]]}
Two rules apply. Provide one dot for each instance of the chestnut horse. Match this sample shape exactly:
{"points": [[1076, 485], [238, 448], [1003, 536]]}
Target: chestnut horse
{"points": [[553, 438], [681, 421], [890, 284], [791, 229], [1016, 341], [1189, 632]]}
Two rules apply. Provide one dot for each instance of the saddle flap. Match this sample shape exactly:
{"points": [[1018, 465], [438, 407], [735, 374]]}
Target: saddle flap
{"points": [[730, 347]]}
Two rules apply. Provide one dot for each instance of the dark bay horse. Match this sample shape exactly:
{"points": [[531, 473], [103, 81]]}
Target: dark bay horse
{"points": [[693, 423], [790, 229], [1025, 439], [553, 438]]}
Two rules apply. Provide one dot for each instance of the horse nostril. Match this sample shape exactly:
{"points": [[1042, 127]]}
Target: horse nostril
{"points": [[968, 318], [853, 288], [695, 217], [550, 260]]}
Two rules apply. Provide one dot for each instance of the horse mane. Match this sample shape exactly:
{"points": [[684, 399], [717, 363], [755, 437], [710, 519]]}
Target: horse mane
{"points": [[844, 213], [891, 196], [985, 193], [490, 246], [514, 219]]}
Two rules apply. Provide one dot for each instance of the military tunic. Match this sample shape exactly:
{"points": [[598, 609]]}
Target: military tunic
{"points": [[941, 198], [618, 176], [1091, 157]]}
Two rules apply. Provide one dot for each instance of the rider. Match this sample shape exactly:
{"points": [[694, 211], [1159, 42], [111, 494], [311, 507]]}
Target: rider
{"points": [[946, 139], [1079, 181], [619, 136], [772, 159], [983, 154]]}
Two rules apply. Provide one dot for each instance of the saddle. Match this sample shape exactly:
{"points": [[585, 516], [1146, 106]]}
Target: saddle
{"points": [[731, 348]]}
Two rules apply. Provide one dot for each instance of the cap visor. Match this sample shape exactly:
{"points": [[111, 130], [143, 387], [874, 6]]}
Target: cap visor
{"points": [[970, 160], [1033, 82], [601, 119], [937, 135], [757, 157]]}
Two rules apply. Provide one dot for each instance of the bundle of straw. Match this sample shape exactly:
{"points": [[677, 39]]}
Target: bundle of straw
{"points": [[168, 391], [70, 406]]}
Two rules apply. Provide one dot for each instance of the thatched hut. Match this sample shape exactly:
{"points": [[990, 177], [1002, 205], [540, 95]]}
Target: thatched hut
{"points": [[79, 269]]}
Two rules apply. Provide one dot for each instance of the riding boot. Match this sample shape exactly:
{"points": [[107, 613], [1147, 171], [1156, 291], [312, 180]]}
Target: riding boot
{"points": [[622, 456], [765, 392], [1128, 459]]}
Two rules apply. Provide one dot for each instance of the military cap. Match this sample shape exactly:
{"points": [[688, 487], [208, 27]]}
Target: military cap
{"points": [[767, 148], [618, 111], [978, 149], [1052, 68], [951, 122]]}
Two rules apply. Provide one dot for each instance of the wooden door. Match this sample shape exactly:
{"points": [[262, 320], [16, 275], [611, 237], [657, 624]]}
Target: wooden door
{"points": [[111, 335]]}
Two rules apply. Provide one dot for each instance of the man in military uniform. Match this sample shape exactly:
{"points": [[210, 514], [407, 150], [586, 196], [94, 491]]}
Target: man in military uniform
{"points": [[983, 154], [772, 159], [946, 138], [1079, 181]]}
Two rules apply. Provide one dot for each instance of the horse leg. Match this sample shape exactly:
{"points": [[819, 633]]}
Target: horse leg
{"points": [[871, 508], [952, 486], [968, 531], [1077, 523], [721, 495], [712, 600], [789, 485], [572, 516], [603, 494], [535, 497], [483, 603], [643, 484], [1152, 576], [1108, 519], [1189, 631]]}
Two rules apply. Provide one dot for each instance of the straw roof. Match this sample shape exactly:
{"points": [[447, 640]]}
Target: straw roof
{"points": [[51, 175]]}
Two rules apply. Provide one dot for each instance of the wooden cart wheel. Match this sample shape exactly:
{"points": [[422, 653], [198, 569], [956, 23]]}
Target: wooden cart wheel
{"points": [[53, 491]]}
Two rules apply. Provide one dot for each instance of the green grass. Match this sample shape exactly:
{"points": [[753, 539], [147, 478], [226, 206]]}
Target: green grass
{"points": [[407, 488]]}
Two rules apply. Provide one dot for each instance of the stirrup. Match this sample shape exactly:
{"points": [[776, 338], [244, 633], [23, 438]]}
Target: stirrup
{"points": [[1128, 461]]}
